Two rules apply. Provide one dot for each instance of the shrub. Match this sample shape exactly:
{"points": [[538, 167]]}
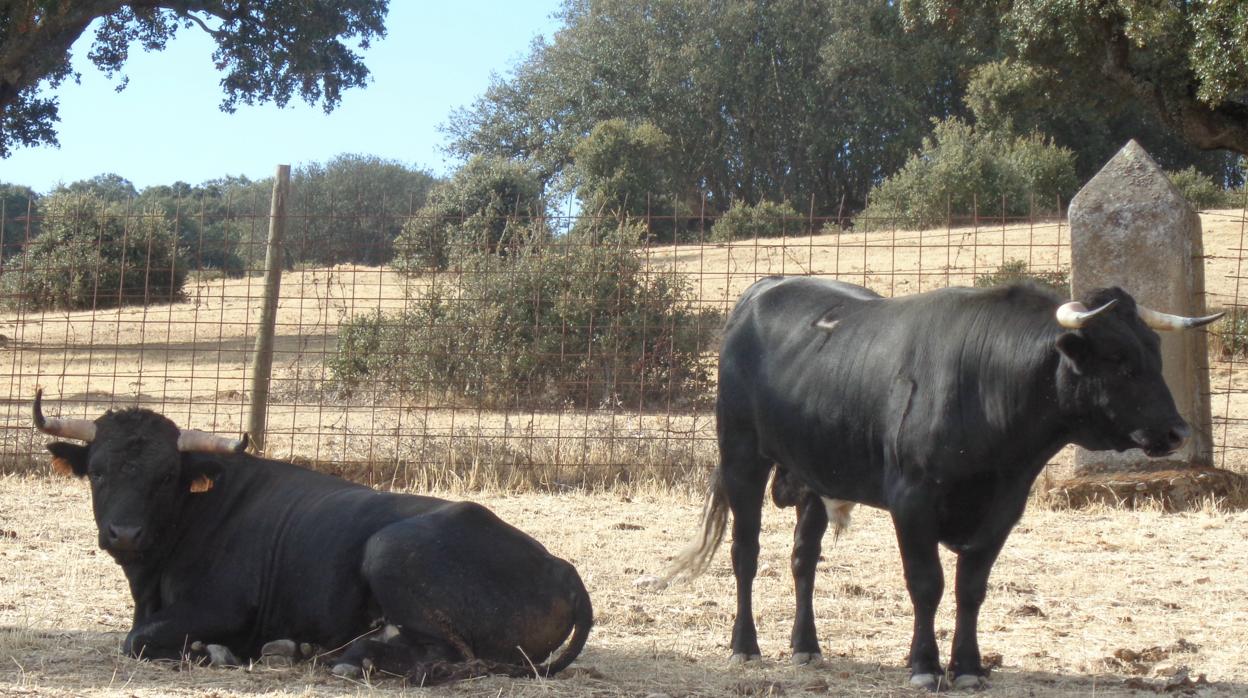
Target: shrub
{"points": [[489, 205], [555, 323], [1015, 271], [960, 169], [1229, 337], [89, 256], [1200, 190], [765, 220]]}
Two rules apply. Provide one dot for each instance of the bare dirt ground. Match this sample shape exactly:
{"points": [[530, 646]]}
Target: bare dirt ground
{"points": [[1098, 602]]}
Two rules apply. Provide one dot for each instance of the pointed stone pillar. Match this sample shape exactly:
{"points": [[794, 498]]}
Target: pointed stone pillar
{"points": [[1130, 227]]}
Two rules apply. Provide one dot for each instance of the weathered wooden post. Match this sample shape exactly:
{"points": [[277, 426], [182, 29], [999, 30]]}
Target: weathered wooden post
{"points": [[262, 363], [1130, 227]]}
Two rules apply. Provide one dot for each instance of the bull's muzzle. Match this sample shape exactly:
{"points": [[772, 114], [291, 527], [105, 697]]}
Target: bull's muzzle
{"points": [[1163, 443]]}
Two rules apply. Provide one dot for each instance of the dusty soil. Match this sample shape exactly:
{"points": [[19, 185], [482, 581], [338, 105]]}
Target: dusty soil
{"points": [[1095, 602]]}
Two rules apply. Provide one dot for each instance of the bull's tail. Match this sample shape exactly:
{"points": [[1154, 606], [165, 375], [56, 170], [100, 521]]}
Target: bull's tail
{"points": [[582, 621], [696, 557]]}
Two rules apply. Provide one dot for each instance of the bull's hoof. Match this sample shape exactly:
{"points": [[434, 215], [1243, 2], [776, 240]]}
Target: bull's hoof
{"points": [[742, 658], [929, 682], [220, 655], [347, 670], [804, 658], [970, 682], [280, 648]]}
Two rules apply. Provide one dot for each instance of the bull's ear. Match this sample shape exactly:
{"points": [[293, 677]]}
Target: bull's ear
{"points": [[199, 476], [1076, 348], [68, 459], [201, 483]]}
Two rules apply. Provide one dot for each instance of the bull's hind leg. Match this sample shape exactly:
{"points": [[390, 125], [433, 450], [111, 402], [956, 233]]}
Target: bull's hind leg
{"points": [[462, 585], [812, 522], [390, 651], [743, 474]]}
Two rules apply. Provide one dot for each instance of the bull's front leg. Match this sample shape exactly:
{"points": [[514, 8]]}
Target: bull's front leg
{"points": [[182, 630], [970, 589], [925, 580]]}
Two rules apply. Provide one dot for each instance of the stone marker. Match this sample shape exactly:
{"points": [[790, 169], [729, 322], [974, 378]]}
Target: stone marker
{"points": [[1130, 227]]}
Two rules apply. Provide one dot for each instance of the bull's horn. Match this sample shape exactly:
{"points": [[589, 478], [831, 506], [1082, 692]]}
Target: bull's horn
{"points": [[81, 429], [1165, 321], [1074, 314], [203, 442]]}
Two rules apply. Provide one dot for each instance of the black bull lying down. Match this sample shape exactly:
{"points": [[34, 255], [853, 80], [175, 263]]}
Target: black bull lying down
{"points": [[941, 408], [225, 552]]}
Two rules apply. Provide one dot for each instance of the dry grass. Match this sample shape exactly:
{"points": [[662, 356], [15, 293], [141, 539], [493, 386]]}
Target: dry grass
{"points": [[1072, 590]]}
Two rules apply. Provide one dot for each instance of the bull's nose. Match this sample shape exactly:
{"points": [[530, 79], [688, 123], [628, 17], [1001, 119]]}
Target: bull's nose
{"points": [[124, 537], [1178, 436]]}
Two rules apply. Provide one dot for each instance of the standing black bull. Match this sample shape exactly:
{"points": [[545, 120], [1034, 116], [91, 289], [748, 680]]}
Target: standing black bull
{"points": [[941, 408], [229, 551]]}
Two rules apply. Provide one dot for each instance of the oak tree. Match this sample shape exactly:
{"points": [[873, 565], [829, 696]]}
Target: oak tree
{"points": [[266, 50]]}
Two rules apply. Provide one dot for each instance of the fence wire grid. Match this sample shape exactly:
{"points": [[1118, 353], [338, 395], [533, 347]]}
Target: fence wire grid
{"points": [[526, 352]]}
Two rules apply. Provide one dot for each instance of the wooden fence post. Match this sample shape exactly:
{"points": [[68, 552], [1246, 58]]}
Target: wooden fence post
{"points": [[262, 363]]}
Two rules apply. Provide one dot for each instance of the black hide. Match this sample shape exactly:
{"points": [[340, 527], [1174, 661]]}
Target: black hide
{"points": [[274, 551], [941, 408]]}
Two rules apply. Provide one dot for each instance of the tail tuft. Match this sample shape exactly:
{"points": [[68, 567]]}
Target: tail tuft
{"points": [[697, 556]]}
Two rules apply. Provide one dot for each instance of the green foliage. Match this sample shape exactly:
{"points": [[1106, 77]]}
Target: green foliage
{"points": [[623, 171], [351, 209], [91, 256], [19, 217], [782, 100], [110, 187], [1185, 63], [488, 205], [267, 51], [1016, 271], [214, 221], [1012, 96], [960, 169], [1200, 190], [765, 220], [572, 322], [1229, 337]]}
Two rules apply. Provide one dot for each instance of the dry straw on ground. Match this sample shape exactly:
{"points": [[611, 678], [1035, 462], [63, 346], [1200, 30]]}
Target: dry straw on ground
{"points": [[1099, 602]]}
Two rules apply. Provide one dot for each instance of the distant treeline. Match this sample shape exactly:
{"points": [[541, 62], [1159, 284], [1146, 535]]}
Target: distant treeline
{"points": [[348, 210]]}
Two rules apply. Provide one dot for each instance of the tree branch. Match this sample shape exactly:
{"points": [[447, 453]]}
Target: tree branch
{"points": [[209, 30], [1208, 128]]}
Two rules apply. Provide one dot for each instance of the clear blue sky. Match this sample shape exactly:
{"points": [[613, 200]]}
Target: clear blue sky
{"points": [[166, 125]]}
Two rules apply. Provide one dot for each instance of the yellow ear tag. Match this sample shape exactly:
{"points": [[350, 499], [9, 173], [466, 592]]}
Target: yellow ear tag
{"points": [[60, 466], [201, 483]]}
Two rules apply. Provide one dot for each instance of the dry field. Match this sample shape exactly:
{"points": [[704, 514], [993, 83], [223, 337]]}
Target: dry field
{"points": [[191, 360], [1099, 602]]}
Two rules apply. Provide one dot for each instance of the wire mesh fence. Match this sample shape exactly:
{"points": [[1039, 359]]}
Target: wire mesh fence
{"points": [[551, 350]]}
